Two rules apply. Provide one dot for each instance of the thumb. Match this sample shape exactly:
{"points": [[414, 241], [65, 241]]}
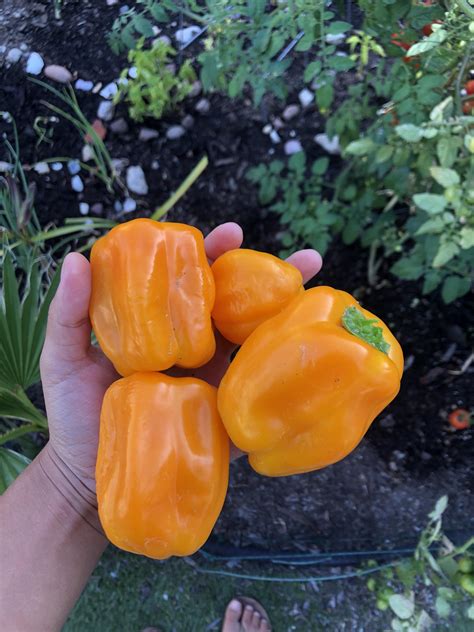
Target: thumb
{"points": [[68, 331]]}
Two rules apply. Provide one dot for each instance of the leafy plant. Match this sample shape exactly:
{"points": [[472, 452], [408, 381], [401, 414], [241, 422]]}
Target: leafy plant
{"points": [[244, 35], [155, 87], [407, 187], [437, 564], [297, 196]]}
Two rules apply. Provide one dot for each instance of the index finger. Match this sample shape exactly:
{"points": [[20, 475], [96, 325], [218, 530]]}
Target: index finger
{"points": [[225, 237]]}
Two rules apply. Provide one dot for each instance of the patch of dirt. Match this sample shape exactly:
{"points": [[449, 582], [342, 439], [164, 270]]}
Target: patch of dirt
{"points": [[381, 493]]}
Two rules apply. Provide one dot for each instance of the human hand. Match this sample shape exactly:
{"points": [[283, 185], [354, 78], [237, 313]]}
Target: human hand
{"points": [[76, 374]]}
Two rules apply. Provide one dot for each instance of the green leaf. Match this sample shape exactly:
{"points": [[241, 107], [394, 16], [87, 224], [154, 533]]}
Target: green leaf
{"points": [[408, 268], [467, 237], [430, 202], [409, 132], [11, 465], [447, 150], [360, 147], [439, 508], [364, 328], [434, 225], [401, 606], [338, 26], [311, 70], [431, 281], [297, 162], [324, 96], [143, 26], [383, 154], [445, 177], [433, 41], [446, 252], [351, 232], [454, 287], [442, 110], [320, 166], [16, 405], [341, 63]]}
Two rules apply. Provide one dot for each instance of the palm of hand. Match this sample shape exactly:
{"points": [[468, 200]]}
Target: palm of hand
{"points": [[75, 375]]}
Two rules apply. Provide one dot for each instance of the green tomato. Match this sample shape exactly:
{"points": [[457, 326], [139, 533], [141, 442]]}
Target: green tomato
{"points": [[450, 194], [471, 28], [466, 565], [467, 583], [371, 584], [382, 604]]}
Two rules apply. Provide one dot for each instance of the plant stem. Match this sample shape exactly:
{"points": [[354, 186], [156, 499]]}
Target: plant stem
{"points": [[185, 185]]}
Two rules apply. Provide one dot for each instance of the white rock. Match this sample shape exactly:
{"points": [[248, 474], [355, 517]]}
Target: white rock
{"points": [[5, 166], [23, 47], [97, 87], [275, 136], [278, 123], [132, 72], [14, 55], [146, 133], [291, 111], [165, 39], [202, 106], [119, 164], [195, 89], [42, 168], [85, 86], [83, 208], [111, 2], [56, 166], [136, 181], [122, 81], [118, 206], [292, 147], [306, 97], [119, 126], [35, 64], [58, 73], [105, 111], [184, 36], [109, 91], [188, 121], [73, 166], [124, 9], [77, 184], [129, 205], [335, 39], [175, 132], [3, 49], [155, 165], [87, 153], [331, 145], [267, 128]]}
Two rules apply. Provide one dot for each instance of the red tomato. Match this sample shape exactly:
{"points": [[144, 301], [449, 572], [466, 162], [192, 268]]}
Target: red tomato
{"points": [[470, 86], [428, 28], [396, 41], [460, 419], [468, 106]]}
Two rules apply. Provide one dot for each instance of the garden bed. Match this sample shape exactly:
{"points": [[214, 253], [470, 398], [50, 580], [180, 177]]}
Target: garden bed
{"points": [[380, 494]]}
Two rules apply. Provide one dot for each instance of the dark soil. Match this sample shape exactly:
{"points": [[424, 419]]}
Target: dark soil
{"points": [[381, 493]]}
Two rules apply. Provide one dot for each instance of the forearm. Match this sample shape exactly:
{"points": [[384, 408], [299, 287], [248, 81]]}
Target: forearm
{"points": [[50, 544]]}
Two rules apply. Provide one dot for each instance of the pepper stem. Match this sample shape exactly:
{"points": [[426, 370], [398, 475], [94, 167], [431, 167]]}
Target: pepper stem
{"points": [[365, 328]]}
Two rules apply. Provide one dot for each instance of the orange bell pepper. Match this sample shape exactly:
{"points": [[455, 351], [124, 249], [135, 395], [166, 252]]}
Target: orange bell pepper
{"points": [[251, 287], [303, 389], [162, 464], [152, 296]]}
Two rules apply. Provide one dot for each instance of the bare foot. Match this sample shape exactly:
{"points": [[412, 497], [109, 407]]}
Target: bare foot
{"points": [[245, 615]]}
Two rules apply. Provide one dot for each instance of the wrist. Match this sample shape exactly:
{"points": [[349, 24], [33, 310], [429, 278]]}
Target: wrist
{"points": [[74, 499]]}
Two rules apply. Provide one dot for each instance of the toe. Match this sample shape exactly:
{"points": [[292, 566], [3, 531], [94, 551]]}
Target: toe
{"points": [[232, 617], [264, 626], [247, 618], [255, 625]]}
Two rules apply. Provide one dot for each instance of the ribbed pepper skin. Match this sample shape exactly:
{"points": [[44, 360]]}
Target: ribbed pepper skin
{"points": [[302, 391], [251, 287], [152, 296], [162, 465]]}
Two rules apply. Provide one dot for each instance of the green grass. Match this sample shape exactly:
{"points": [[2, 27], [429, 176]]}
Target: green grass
{"points": [[128, 593]]}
